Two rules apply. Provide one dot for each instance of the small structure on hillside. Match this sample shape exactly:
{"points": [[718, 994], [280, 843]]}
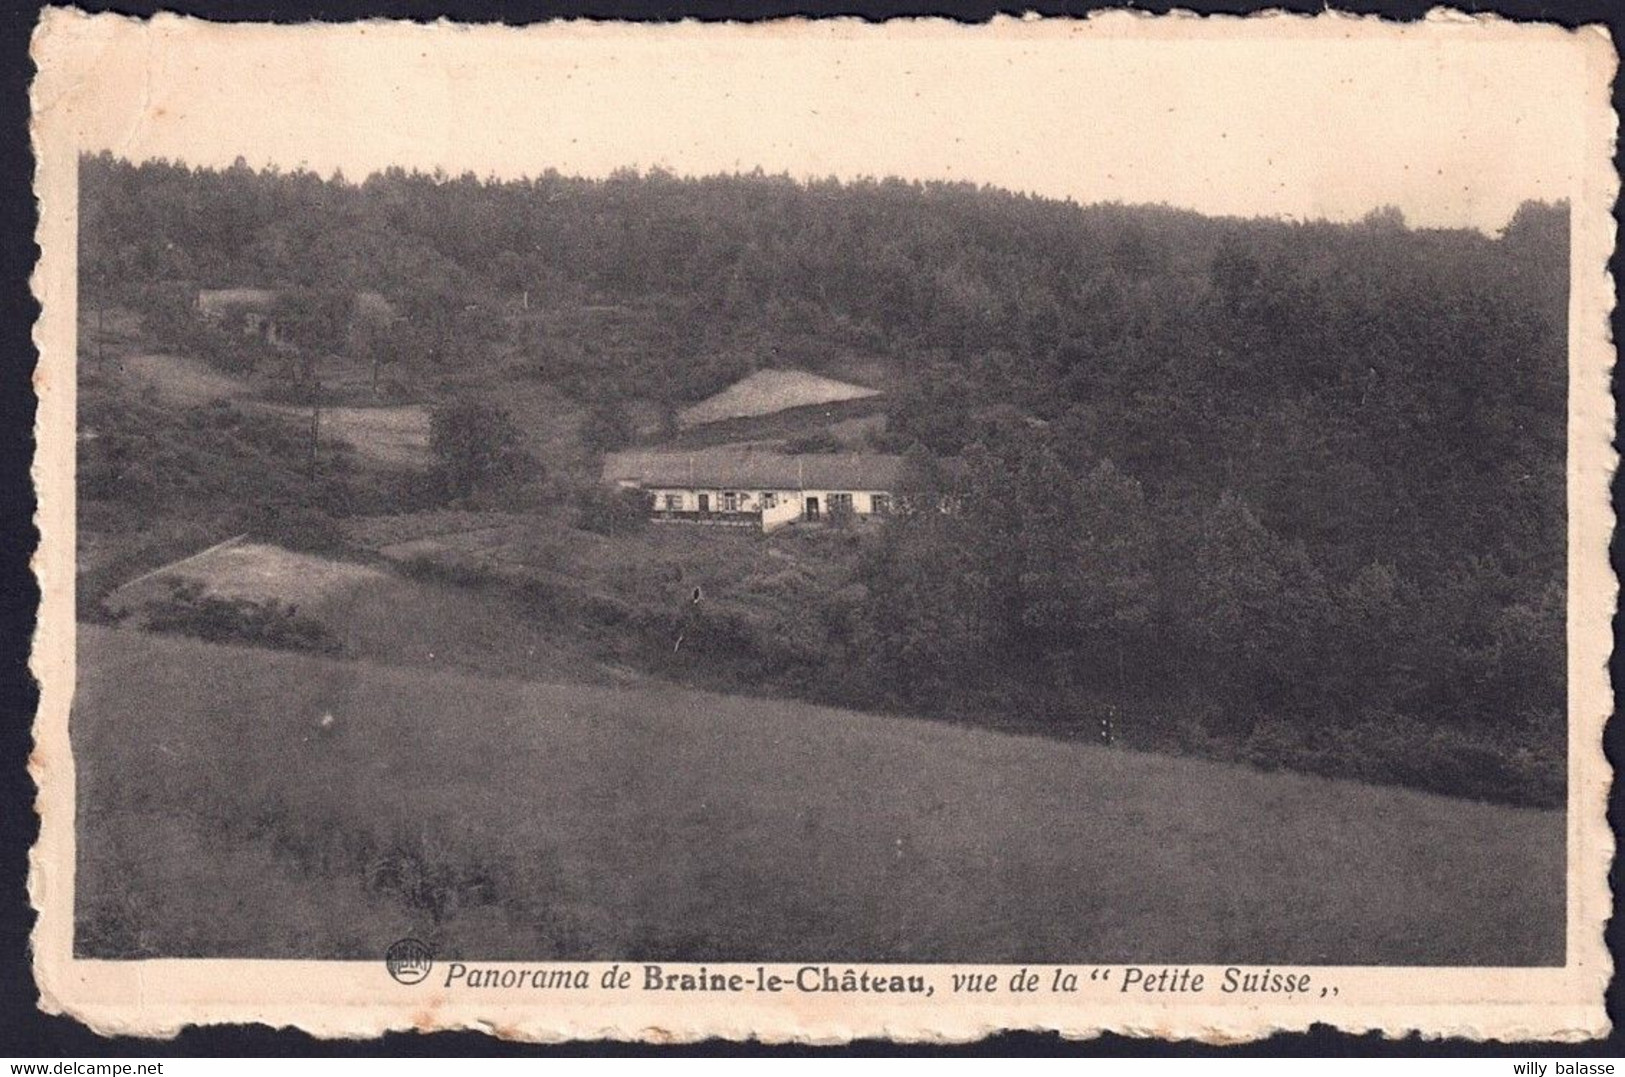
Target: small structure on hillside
{"points": [[249, 310], [755, 488], [253, 311]]}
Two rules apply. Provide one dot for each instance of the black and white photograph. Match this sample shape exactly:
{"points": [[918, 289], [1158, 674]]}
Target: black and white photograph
{"points": [[798, 505]]}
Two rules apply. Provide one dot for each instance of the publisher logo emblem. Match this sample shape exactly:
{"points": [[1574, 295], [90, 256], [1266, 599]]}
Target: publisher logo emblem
{"points": [[408, 961]]}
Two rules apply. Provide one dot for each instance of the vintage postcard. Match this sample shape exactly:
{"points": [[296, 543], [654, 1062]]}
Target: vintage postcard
{"points": [[813, 529]]}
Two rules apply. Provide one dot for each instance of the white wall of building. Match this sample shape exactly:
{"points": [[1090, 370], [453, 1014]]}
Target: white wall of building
{"points": [[678, 499]]}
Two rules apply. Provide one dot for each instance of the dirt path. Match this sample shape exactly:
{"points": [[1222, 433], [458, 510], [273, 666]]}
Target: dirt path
{"points": [[179, 378]]}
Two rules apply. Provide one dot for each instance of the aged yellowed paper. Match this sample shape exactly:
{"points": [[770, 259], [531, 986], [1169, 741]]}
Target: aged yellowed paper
{"points": [[811, 530]]}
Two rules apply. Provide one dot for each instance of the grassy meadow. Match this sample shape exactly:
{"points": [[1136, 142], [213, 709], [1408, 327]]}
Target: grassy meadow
{"points": [[239, 802], [382, 436]]}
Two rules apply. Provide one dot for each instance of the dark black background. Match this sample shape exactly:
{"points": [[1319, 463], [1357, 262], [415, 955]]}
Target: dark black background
{"points": [[27, 1033]]}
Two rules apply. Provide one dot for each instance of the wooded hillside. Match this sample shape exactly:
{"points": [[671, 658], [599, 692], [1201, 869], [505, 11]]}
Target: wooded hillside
{"points": [[1288, 491]]}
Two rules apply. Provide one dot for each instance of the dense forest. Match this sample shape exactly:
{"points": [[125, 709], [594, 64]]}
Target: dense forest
{"points": [[1292, 491]]}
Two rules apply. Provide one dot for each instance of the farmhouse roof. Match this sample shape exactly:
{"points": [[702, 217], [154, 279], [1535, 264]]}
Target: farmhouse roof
{"points": [[754, 469]]}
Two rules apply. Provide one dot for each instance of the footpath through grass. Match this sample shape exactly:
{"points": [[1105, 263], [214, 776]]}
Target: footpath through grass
{"points": [[255, 803]]}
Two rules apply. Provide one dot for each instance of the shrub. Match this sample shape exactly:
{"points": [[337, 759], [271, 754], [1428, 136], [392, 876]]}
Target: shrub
{"points": [[818, 441], [1388, 748], [611, 512], [301, 527], [188, 611], [607, 425]]}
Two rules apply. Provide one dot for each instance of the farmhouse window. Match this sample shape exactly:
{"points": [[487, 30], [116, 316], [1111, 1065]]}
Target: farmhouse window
{"points": [[840, 503], [730, 502], [880, 504], [769, 499], [674, 502]]}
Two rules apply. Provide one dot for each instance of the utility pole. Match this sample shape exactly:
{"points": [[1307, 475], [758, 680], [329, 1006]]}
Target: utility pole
{"points": [[313, 375]]}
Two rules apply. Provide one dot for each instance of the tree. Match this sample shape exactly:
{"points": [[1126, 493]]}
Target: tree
{"points": [[924, 630], [1088, 560], [1384, 219], [475, 446], [607, 426], [314, 320], [371, 333], [932, 410], [1252, 608]]}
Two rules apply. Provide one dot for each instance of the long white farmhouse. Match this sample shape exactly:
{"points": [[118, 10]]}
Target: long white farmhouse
{"points": [[752, 487]]}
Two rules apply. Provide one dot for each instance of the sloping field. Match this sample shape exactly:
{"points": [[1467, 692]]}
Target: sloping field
{"points": [[180, 378], [768, 391], [391, 436], [254, 571], [505, 819], [396, 436], [375, 613], [383, 532]]}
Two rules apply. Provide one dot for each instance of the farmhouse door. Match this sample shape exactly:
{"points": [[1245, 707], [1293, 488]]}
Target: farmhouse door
{"points": [[705, 502], [812, 508]]}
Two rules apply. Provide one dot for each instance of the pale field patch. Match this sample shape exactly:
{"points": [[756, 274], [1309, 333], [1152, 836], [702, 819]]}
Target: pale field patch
{"points": [[390, 436], [768, 391]]}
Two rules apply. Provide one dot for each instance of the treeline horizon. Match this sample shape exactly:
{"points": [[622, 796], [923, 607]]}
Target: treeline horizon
{"points": [[1288, 491], [440, 174]]}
